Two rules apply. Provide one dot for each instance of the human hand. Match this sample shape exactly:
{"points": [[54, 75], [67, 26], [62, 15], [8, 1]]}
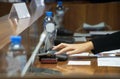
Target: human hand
{"points": [[73, 48]]}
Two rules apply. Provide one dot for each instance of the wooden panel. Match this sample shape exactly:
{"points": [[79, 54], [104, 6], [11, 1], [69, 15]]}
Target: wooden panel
{"points": [[92, 13], [4, 8]]}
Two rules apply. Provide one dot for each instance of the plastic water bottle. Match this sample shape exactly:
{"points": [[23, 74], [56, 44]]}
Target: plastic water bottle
{"points": [[16, 56], [60, 8], [48, 19], [60, 11], [50, 28]]}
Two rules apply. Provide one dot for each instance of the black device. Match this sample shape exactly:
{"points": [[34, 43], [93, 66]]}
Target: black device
{"points": [[64, 32], [64, 39], [51, 58]]}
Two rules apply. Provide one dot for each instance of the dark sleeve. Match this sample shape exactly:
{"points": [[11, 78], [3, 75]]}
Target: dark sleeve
{"points": [[106, 43]]}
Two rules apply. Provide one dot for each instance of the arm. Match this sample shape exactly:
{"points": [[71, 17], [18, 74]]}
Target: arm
{"points": [[106, 43], [97, 45]]}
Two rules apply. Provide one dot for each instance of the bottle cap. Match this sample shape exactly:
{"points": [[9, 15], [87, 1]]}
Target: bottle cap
{"points": [[49, 13], [15, 39]]}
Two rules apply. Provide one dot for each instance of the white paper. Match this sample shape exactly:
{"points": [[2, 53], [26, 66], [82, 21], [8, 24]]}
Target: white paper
{"points": [[79, 62], [81, 34], [81, 54], [109, 53], [80, 39], [101, 32], [112, 51], [111, 61]]}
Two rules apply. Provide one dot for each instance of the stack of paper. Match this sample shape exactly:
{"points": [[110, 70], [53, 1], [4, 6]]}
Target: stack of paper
{"points": [[111, 61]]}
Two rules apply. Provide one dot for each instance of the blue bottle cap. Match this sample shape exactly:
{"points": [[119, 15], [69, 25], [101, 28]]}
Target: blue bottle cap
{"points": [[15, 39], [49, 13], [60, 3]]}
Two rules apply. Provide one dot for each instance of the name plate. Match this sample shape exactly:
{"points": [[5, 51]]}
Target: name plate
{"points": [[36, 4], [18, 11]]}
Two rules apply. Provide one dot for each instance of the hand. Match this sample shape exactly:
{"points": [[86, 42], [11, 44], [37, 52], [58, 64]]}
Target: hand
{"points": [[73, 48]]}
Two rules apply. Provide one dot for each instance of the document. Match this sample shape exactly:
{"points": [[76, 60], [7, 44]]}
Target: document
{"points": [[112, 53], [79, 62], [80, 39], [81, 54], [84, 54], [81, 35], [109, 61], [101, 32]]}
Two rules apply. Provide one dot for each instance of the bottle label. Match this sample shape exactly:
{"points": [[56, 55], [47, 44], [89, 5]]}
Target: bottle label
{"points": [[50, 27]]}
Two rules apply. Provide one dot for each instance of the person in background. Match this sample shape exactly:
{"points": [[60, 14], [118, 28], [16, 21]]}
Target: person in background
{"points": [[96, 45]]}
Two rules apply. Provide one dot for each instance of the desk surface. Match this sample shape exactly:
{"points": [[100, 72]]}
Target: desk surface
{"points": [[62, 69]]}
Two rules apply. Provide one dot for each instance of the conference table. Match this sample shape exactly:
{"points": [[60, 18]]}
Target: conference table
{"points": [[88, 65], [87, 68]]}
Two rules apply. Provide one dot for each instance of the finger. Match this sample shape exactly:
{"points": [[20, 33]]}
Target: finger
{"points": [[72, 52], [60, 46], [63, 50]]}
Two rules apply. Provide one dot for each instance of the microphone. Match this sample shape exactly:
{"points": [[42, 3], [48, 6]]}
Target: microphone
{"points": [[34, 53]]}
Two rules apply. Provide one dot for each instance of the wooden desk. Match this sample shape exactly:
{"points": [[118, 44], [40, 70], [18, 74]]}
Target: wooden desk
{"points": [[30, 39], [73, 71]]}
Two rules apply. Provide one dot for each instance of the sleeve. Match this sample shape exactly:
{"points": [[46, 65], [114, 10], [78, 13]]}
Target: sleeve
{"points": [[106, 43]]}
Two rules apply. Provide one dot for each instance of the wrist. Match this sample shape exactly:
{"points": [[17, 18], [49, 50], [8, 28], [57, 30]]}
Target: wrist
{"points": [[89, 45]]}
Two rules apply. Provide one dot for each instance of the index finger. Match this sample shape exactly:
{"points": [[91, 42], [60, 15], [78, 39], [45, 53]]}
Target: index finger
{"points": [[60, 46]]}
